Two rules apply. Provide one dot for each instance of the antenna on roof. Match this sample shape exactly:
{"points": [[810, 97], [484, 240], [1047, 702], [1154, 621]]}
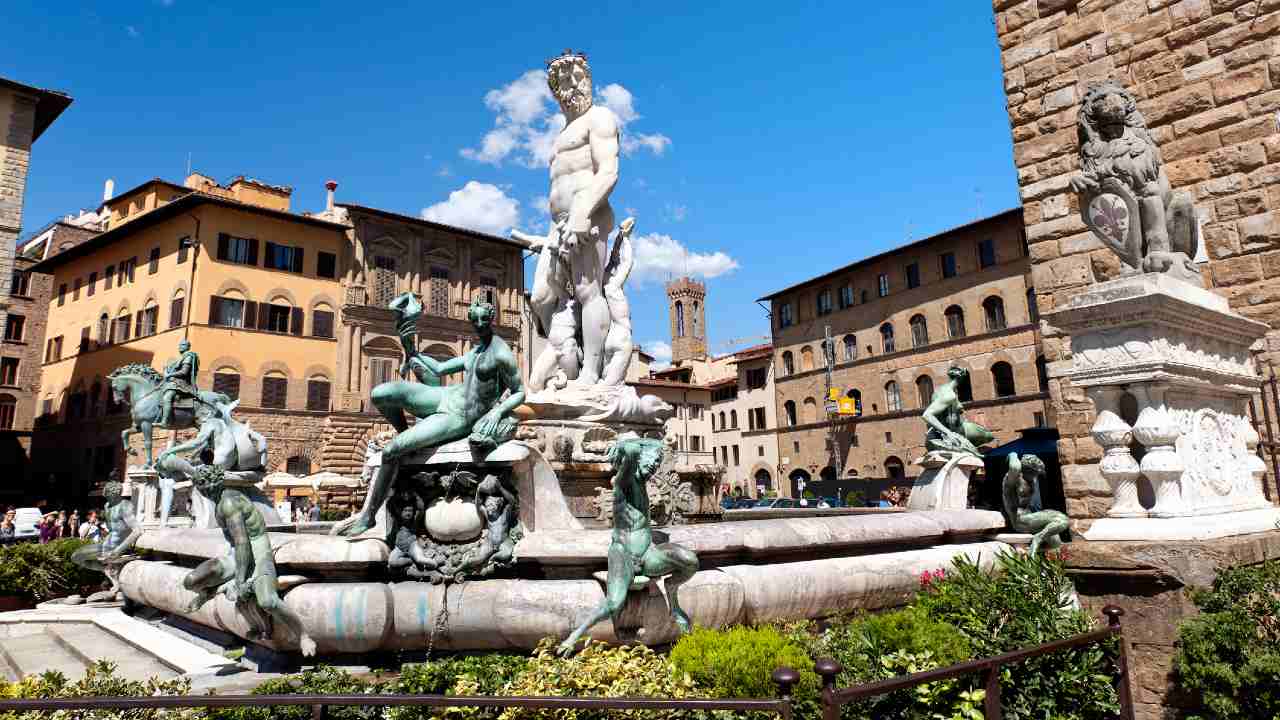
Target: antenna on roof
{"points": [[188, 164], [978, 195]]}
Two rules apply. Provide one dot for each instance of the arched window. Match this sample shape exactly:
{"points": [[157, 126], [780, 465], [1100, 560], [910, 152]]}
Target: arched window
{"points": [[298, 465], [892, 398], [679, 318], [1042, 373], [733, 419], [120, 331], [177, 308], [1002, 379], [95, 397], [1033, 310], [806, 358], [713, 423], [894, 469], [723, 426], [856, 396], [886, 337], [275, 390], [8, 410], [788, 363], [227, 381], [104, 329], [955, 322], [697, 331], [318, 393], [322, 320], [850, 348], [384, 280], [919, 331], [924, 390], [810, 410], [993, 307], [789, 407]]}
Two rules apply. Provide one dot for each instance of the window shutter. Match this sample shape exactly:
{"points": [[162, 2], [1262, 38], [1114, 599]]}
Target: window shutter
{"points": [[251, 314], [295, 321], [175, 312], [214, 303], [224, 246], [270, 255], [137, 324], [297, 260], [317, 395], [253, 252], [264, 316]]}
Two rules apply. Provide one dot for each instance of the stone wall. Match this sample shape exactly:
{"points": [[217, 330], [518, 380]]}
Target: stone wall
{"points": [[17, 125], [1204, 73]]}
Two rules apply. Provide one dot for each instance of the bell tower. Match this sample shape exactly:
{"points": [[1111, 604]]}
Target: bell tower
{"points": [[686, 301]]}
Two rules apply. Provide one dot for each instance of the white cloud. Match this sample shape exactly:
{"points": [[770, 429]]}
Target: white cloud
{"points": [[478, 206], [661, 352], [528, 120], [659, 257], [132, 31]]}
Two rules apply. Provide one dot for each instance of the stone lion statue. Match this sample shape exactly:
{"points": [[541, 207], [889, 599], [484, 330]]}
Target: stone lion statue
{"points": [[1125, 197]]}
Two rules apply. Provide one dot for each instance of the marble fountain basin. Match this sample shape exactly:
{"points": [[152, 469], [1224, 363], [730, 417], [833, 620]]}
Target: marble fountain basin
{"points": [[751, 571]]}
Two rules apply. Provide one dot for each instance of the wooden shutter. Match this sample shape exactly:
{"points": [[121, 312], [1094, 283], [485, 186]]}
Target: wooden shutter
{"points": [[297, 260], [295, 321], [275, 392], [228, 384], [175, 312], [137, 324], [322, 324], [253, 252], [224, 246], [269, 256], [250, 314], [318, 395], [264, 316], [215, 304]]}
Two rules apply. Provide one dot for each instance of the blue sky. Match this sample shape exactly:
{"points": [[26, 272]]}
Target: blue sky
{"points": [[768, 143]]}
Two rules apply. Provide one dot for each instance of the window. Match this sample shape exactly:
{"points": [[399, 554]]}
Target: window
{"points": [[95, 395], [760, 451], [487, 289], [810, 410], [53, 349], [384, 280], [227, 382], [229, 312], [850, 348], [862, 296], [894, 469], [1033, 310], [986, 253], [150, 321], [237, 249], [439, 291], [326, 265], [856, 396], [846, 296], [892, 398], [62, 294], [757, 378], [789, 407], [104, 330], [788, 363], [110, 276], [318, 394], [322, 323], [964, 390], [282, 257], [913, 275], [919, 331], [924, 390], [824, 302], [14, 328], [8, 407], [381, 370], [695, 443], [713, 422], [733, 419], [886, 337], [122, 328], [9, 371], [888, 436], [948, 262], [955, 322], [127, 268], [1002, 379], [1038, 417], [993, 308], [882, 284], [806, 358], [298, 465], [756, 418], [786, 318], [275, 391], [153, 261], [277, 317], [1042, 373], [90, 286], [679, 319], [184, 248], [735, 455], [176, 308], [84, 340], [21, 284]]}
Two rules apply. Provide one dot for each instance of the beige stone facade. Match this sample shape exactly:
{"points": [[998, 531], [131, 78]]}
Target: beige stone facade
{"points": [[687, 309], [743, 420], [1205, 74], [898, 321]]}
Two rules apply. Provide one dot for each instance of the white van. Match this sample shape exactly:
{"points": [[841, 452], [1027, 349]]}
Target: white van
{"points": [[24, 523]]}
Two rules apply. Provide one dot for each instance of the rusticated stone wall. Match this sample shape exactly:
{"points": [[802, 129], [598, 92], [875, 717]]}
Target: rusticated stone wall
{"points": [[1205, 74]]}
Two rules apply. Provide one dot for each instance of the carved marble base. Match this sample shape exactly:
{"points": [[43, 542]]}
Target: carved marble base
{"points": [[944, 484], [144, 487], [599, 403], [1167, 364], [1208, 527]]}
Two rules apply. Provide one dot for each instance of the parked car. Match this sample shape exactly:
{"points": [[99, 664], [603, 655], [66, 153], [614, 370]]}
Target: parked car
{"points": [[24, 523], [744, 502], [775, 504]]}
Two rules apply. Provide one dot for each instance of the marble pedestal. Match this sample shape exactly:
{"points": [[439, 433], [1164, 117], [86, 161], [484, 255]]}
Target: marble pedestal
{"points": [[143, 486], [944, 484], [1168, 367]]}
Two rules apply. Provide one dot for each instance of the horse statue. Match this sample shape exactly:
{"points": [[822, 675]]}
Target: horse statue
{"points": [[144, 386]]}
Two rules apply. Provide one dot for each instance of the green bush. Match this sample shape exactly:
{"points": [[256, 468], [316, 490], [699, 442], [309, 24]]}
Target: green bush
{"points": [[100, 680], [334, 514], [323, 680], [39, 572], [485, 674], [1229, 655], [739, 663], [855, 499], [598, 671], [1026, 601]]}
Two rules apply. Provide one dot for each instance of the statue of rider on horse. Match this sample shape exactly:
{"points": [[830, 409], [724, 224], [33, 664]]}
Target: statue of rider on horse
{"points": [[170, 401], [179, 379]]}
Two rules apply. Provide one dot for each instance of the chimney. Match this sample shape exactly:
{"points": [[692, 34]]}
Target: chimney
{"points": [[331, 185], [108, 190]]}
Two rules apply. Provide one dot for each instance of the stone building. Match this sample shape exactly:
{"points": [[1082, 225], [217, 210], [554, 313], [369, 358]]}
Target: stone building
{"points": [[897, 322], [744, 420], [286, 310], [686, 300]]}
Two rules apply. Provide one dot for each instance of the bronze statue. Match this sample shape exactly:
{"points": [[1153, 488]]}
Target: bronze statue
{"points": [[123, 532], [948, 430], [1021, 485], [179, 378]]}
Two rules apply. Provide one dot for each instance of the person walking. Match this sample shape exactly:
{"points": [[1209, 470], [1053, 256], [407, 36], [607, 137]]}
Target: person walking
{"points": [[48, 528], [7, 526], [73, 524], [313, 514]]}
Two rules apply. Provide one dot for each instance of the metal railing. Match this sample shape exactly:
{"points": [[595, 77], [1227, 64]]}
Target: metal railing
{"points": [[785, 678], [833, 698]]}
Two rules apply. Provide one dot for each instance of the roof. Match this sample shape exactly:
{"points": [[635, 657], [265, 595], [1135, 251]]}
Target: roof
{"points": [[722, 382], [139, 186], [434, 225], [187, 202], [656, 382], [880, 256], [752, 353], [49, 104]]}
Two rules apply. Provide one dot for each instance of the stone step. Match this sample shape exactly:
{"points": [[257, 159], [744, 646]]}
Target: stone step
{"points": [[92, 643], [40, 652]]}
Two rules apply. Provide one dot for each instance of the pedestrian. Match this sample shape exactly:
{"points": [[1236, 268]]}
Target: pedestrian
{"points": [[73, 524], [313, 514], [48, 528], [61, 524], [89, 529], [7, 527]]}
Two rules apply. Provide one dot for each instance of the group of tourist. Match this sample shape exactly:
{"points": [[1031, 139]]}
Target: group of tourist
{"points": [[309, 512], [56, 525]]}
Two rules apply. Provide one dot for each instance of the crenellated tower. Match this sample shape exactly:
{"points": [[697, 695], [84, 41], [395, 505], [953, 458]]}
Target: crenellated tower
{"points": [[686, 300]]}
